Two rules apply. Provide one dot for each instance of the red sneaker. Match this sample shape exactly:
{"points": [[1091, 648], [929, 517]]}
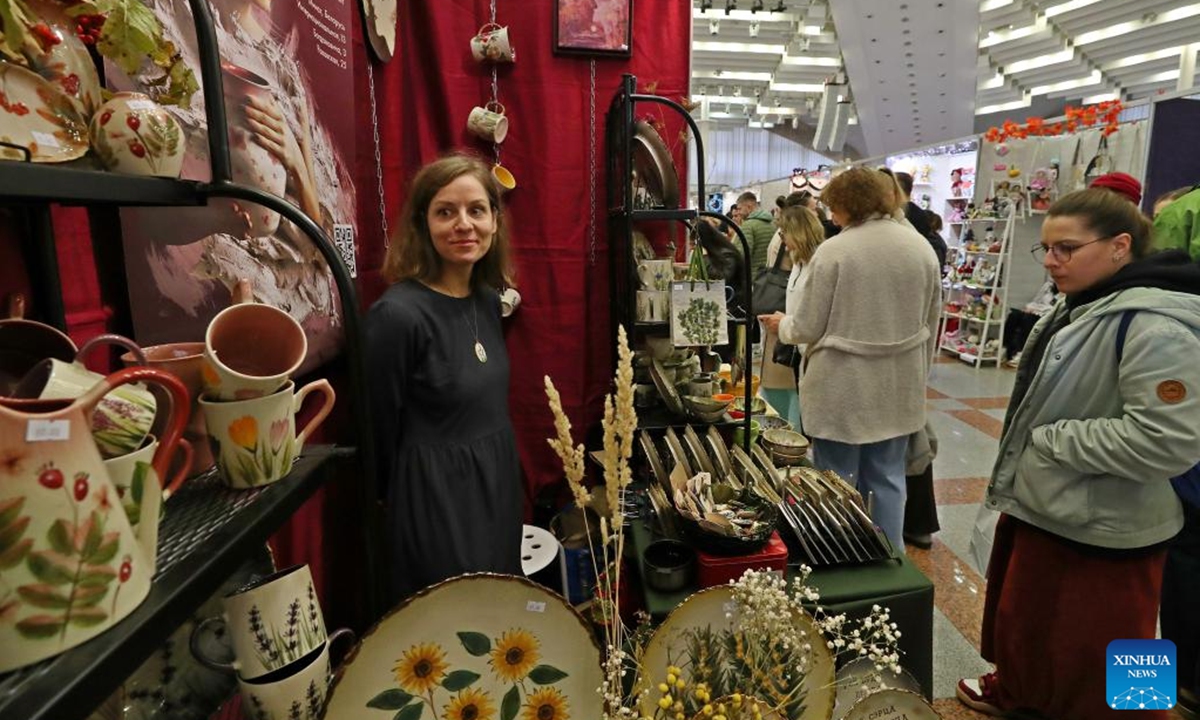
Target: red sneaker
{"points": [[980, 695]]}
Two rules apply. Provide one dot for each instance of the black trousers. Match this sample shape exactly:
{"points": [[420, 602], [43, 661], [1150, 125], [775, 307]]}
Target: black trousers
{"points": [[1181, 599], [920, 509]]}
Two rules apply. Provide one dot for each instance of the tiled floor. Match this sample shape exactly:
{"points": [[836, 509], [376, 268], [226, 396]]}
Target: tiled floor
{"points": [[967, 412]]}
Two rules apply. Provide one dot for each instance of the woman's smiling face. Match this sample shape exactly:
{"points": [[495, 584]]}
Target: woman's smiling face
{"points": [[461, 221]]}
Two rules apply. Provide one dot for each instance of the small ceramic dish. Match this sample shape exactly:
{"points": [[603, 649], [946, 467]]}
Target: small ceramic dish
{"points": [[773, 422], [757, 404], [786, 439]]}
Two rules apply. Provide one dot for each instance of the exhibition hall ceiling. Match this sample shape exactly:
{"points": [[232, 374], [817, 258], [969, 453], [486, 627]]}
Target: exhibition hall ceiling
{"points": [[919, 71]]}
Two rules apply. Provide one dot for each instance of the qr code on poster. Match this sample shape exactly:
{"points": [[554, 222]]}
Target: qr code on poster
{"points": [[343, 240]]}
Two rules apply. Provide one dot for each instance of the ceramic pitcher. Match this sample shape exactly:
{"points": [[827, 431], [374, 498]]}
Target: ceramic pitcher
{"points": [[70, 565]]}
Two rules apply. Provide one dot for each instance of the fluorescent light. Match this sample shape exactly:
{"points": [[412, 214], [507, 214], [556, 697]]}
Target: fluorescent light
{"points": [[1178, 13], [811, 60], [761, 125], [1004, 107], [1164, 76], [996, 81], [745, 15], [734, 47], [1068, 7], [764, 110], [1041, 61], [810, 30], [993, 5], [1145, 57], [853, 120], [731, 99], [723, 115], [1102, 97], [797, 87], [995, 38], [726, 76], [1111, 31], [1095, 77]]}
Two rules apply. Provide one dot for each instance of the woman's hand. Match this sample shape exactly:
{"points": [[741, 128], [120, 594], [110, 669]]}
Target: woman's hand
{"points": [[771, 322], [265, 120]]}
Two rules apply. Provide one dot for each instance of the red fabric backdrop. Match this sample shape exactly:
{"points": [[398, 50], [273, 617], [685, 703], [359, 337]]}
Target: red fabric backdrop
{"points": [[424, 96]]}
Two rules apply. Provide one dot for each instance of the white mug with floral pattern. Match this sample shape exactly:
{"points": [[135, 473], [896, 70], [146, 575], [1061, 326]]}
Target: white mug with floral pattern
{"points": [[296, 690]]}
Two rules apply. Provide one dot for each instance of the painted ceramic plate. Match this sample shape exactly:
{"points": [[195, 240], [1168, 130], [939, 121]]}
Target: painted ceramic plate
{"points": [[720, 453], [692, 440], [492, 646], [707, 609], [34, 114], [892, 703], [857, 679], [656, 463], [653, 163], [669, 395], [379, 19], [678, 454]]}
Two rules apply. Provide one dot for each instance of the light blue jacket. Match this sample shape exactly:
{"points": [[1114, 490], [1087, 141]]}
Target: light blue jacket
{"points": [[1088, 452]]}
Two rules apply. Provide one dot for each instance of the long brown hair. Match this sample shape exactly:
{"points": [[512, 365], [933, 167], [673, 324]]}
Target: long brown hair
{"points": [[412, 255], [801, 231], [1107, 214]]}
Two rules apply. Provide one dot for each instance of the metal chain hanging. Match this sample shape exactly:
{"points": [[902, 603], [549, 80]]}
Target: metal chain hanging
{"points": [[383, 215], [495, 84], [592, 172]]}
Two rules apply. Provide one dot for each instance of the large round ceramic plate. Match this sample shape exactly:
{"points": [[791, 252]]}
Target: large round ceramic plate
{"points": [[858, 678], [720, 453], [36, 115], [709, 609], [379, 19], [652, 160], [479, 646], [677, 453], [658, 374], [699, 454], [656, 463], [892, 703]]}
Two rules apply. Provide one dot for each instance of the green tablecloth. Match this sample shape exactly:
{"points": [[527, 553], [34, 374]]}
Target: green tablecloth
{"points": [[852, 590]]}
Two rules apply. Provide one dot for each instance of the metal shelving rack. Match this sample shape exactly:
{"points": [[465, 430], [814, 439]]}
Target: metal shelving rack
{"points": [[996, 294], [622, 216], [206, 529]]}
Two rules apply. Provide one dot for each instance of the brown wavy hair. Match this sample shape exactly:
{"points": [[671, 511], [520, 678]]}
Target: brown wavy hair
{"points": [[860, 194], [411, 255], [1108, 214], [802, 232]]}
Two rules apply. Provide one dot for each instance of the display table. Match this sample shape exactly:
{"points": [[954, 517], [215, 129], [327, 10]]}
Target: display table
{"points": [[897, 585]]}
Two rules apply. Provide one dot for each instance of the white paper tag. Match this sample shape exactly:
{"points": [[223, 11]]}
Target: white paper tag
{"points": [[47, 430], [45, 139], [140, 104], [535, 606]]}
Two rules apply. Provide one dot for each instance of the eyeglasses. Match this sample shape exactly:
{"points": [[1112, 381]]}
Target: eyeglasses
{"points": [[1061, 251]]}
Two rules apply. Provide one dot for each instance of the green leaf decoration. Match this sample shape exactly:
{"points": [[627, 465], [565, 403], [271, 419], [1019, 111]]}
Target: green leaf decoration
{"points": [[89, 595], [475, 643], [15, 554], [12, 532], [60, 536], [88, 617], [133, 513], [129, 34], [50, 567], [41, 626], [459, 680], [390, 700], [110, 543], [47, 597], [95, 533], [510, 704], [546, 675], [412, 712], [137, 486], [10, 510], [97, 575]]}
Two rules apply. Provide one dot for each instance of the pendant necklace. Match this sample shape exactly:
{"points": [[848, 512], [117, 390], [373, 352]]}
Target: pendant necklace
{"points": [[479, 350]]}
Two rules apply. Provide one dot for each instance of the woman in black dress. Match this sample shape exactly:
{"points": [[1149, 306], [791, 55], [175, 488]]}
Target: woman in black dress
{"points": [[438, 371]]}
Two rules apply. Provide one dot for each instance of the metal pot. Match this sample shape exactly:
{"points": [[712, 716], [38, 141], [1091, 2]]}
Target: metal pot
{"points": [[669, 565]]}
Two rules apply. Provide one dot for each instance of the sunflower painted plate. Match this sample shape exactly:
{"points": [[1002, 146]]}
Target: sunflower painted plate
{"points": [[476, 647], [706, 611], [36, 115]]}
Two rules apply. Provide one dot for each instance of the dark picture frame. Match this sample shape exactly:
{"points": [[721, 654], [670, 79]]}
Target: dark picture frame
{"points": [[593, 27]]}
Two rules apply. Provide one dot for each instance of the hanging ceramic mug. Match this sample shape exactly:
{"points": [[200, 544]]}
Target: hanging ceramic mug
{"points": [[272, 622], [504, 178], [491, 44], [255, 441], [489, 122]]}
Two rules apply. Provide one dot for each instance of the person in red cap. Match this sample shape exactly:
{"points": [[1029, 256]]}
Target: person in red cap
{"points": [[1122, 184]]}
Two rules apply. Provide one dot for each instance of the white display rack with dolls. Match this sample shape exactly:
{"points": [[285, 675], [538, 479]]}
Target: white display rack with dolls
{"points": [[975, 290]]}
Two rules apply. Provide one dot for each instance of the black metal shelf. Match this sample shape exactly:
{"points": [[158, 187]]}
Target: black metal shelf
{"points": [[80, 183], [207, 530], [663, 214], [660, 418]]}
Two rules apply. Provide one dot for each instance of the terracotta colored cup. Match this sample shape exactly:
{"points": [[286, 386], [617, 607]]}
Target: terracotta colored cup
{"points": [[250, 351], [185, 361], [25, 343]]}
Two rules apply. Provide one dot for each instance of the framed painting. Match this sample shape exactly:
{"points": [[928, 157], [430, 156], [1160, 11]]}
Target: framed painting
{"points": [[593, 27]]}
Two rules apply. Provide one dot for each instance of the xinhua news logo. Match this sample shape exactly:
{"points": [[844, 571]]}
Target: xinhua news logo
{"points": [[1141, 675]]}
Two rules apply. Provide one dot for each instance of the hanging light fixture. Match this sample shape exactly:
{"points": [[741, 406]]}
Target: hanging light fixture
{"points": [[779, 7], [756, 5], [714, 26], [754, 28], [730, 6]]}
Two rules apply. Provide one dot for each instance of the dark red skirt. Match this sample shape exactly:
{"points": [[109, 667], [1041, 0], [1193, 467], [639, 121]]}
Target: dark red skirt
{"points": [[1052, 607]]}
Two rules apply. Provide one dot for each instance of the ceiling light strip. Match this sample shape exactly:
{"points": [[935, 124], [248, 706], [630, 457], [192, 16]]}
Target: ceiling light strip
{"points": [[1124, 28], [735, 47], [1067, 7]]}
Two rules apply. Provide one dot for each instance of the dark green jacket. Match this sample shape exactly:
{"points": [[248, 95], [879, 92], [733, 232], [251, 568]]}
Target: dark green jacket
{"points": [[759, 228]]}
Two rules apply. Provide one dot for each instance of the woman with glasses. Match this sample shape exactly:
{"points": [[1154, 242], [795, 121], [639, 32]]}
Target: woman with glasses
{"points": [[1091, 438]]}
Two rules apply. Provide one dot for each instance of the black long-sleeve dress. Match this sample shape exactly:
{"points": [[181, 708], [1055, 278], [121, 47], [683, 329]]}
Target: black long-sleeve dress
{"points": [[446, 450]]}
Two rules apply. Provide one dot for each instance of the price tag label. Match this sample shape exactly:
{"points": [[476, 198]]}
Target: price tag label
{"points": [[45, 139], [48, 430], [535, 606], [140, 104]]}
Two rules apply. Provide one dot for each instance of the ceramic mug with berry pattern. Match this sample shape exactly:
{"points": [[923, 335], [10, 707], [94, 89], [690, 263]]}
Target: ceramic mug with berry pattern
{"points": [[133, 134]]}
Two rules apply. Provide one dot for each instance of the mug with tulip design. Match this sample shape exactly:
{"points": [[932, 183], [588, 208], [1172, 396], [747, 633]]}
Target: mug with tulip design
{"points": [[255, 441]]}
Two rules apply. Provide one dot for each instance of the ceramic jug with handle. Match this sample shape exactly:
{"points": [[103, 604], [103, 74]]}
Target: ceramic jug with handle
{"points": [[70, 565]]}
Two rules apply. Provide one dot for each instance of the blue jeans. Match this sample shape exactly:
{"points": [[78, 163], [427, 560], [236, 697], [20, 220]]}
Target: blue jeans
{"points": [[872, 468], [786, 403]]}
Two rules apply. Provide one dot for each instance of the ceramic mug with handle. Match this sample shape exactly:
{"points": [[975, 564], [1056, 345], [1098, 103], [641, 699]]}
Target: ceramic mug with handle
{"points": [[250, 350], [489, 122], [297, 690], [491, 44], [139, 490]]}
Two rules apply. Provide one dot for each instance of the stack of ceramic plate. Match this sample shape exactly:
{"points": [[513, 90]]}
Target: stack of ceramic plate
{"points": [[786, 447], [825, 520]]}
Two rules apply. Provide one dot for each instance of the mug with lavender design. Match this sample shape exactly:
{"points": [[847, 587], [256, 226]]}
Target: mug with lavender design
{"points": [[294, 692], [255, 441], [272, 622]]}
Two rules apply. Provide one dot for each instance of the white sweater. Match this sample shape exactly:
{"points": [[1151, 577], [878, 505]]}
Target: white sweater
{"points": [[867, 307]]}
